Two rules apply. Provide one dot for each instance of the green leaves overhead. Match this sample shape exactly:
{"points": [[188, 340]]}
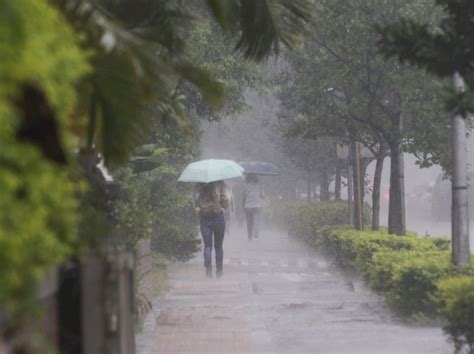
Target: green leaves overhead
{"points": [[224, 12], [441, 51], [152, 20], [420, 50], [143, 42], [264, 24], [138, 62], [118, 99], [211, 90]]}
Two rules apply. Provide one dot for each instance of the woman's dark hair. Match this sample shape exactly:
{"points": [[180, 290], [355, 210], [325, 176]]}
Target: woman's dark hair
{"points": [[207, 187]]}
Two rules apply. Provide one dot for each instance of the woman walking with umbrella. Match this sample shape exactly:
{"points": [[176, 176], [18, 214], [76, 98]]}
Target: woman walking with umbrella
{"points": [[211, 204]]}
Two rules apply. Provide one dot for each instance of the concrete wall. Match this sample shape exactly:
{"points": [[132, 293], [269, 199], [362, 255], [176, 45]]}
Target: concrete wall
{"points": [[108, 314]]}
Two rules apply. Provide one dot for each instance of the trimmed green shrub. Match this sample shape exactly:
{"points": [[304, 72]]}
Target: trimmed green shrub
{"points": [[405, 269], [408, 279], [356, 248], [304, 219], [442, 243], [281, 213], [313, 216], [456, 297]]}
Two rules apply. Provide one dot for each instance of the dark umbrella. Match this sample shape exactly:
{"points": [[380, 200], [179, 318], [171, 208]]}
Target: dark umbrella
{"points": [[260, 168]]}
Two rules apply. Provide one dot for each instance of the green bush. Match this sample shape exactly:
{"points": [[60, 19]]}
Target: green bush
{"points": [[281, 213], [157, 208], [408, 279], [404, 268], [175, 228], [312, 217], [456, 297], [356, 248], [413, 273], [38, 202], [442, 243], [304, 219]]}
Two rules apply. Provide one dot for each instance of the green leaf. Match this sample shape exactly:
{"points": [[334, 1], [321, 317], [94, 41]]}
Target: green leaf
{"points": [[267, 23], [212, 90], [225, 13]]}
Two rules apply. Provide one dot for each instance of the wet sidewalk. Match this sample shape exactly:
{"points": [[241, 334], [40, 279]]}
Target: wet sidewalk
{"points": [[276, 296]]}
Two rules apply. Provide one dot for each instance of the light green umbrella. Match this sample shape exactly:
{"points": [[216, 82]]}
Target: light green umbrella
{"points": [[206, 171]]}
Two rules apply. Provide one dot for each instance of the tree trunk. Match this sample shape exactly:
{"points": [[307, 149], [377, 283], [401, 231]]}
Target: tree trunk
{"points": [[396, 206], [338, 182], [358, 222], [376, 192], [364, 163], [459, 208], [309, 189], [324, 190], [350, 192]]}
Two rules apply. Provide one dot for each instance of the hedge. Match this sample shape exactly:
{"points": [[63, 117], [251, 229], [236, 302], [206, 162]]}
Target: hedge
{"points": [[38, 198], [404, 268], [414, 274], [456, 297], [303, 219], [282, 213]]}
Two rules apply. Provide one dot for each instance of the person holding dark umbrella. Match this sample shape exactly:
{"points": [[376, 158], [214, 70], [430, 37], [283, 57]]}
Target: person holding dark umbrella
{"points": [[254, 197], [253, 202]]}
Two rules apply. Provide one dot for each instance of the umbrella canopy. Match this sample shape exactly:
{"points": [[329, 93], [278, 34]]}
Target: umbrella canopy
{"points": [[206, 171], [260, 168]]}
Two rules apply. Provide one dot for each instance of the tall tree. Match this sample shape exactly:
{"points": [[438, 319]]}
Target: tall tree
{"points": [[445, 51], [351, 90]]}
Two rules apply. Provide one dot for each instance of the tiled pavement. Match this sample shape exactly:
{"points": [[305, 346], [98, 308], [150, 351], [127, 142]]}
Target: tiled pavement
{"points": [[276, 296]]}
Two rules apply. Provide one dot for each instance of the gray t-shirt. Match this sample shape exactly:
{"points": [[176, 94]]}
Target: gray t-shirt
{"points": [[253, 195]]}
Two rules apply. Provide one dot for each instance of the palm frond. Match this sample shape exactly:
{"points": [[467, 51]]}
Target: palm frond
{"points": [[225, 12], [264, 24], [135, 64], [119, 102], [213, 91], [160, 21]]}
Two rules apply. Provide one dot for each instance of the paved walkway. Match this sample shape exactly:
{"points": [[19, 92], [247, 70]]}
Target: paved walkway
{"points": [[276, 296]]}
